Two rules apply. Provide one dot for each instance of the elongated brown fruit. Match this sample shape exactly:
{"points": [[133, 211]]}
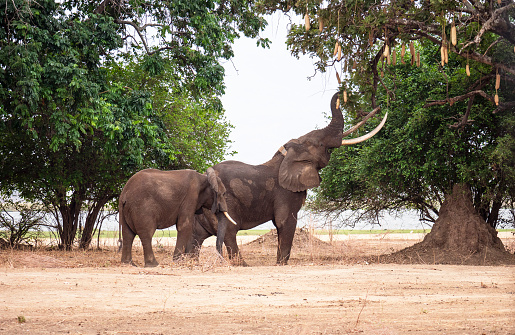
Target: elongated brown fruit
{"points": [[496, 99], [467, 70], [306, 20], [339, 52], [454, 39], [412, 52], [497, 81], [394, 57], [320, 24], [338, 78], [336, 48], [345, 96], [386, 50], [403, 52], [418, 59], [442, 55], [446, 53]]}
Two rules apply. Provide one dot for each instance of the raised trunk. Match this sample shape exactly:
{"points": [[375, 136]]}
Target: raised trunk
{"points": [[336, 123], [332, 134]]}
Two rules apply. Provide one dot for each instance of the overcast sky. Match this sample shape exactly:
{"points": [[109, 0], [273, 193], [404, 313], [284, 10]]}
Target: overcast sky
{"points": [[269, 99]]}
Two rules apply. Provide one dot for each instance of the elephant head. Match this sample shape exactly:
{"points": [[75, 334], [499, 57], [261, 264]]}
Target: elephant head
{"points": [[305, 156], [219, 202]]}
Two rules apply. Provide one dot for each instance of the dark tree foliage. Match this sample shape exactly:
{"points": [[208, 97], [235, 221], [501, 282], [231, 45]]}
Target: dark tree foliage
{"points": [[450, 98], [417, 158], [86, 102]]}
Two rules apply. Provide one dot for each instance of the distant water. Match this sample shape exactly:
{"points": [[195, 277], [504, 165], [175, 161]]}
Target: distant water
{"points": [[408, 219]]}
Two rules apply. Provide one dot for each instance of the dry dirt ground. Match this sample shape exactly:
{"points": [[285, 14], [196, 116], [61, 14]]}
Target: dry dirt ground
{"points": [[328, 288]]}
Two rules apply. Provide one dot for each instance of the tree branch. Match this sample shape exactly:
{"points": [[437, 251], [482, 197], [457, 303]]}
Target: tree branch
{"points": [[459, 98]]}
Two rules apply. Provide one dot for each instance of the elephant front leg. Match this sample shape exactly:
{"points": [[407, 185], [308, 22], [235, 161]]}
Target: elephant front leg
{"points": [[285, 234], [184, 237], [231, 243]]}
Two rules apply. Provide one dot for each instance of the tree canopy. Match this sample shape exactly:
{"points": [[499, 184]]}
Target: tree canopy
{"points": [[417, 157], [445, 72], [92, 92], [358, 37]]}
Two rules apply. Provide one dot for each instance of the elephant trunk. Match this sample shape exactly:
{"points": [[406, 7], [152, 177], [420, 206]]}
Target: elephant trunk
{"points": [[336, 123], [332, 133]]}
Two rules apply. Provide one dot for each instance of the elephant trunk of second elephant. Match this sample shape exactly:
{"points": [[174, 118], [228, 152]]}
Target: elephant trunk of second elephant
{"points": [[220, 234], [222, 227]]}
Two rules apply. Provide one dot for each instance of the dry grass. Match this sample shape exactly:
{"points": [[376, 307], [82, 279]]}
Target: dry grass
{"points": [[307, 250]]}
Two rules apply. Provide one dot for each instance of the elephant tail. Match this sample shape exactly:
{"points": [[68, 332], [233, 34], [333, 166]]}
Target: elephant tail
{"points": [[121, 221]]}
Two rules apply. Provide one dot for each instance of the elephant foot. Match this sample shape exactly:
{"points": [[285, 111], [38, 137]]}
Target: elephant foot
{"points": [[151, 264], [185, 258], [129, 263], [282, 262], [238, 261]]}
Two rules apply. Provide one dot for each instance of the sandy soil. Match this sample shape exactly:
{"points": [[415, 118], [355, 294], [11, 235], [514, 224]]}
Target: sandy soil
{"points": [[326, 289]]}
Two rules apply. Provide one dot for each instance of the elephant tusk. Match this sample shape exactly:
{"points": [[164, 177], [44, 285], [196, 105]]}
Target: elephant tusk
{"points": [[362, 122], [367, 136], [230, 218]]}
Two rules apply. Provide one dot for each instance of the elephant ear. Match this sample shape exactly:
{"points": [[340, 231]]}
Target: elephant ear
{"points": [[219, 203], [297, 172]]}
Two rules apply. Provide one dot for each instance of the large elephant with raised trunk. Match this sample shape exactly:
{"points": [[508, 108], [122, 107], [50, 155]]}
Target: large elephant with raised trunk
{"points": [[154, 199], [277, 189]]}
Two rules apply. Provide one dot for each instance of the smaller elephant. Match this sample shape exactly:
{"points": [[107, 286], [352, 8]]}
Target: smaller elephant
{"points": [[154, 199]]}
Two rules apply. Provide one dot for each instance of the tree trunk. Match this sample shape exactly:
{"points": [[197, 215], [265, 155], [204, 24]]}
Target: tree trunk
{"points": [[70, 216], [89, 225]]}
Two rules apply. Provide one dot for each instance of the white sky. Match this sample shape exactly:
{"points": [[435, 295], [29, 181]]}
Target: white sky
{"points": [[269, 99]]}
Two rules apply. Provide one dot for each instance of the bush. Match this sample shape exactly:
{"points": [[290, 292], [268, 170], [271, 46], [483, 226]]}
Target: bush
{"points": [[20, 222]]}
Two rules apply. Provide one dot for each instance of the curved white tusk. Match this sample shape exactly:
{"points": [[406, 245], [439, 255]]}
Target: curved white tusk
{"points": [[230, 218], [362, 122], [366, 136]]}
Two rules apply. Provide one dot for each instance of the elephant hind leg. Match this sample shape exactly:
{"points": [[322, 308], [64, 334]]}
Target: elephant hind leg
{"points": [[127, 239], [148, 253]]}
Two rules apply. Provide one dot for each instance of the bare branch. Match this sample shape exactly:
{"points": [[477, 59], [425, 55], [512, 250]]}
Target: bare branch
{"points": [[459, 98], [492, 24]]}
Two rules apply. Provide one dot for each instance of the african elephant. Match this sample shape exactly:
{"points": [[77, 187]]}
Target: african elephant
{"points": [[154, 199], [277, 189]]}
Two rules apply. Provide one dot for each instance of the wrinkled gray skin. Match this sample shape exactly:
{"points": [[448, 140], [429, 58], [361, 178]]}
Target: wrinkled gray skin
{"points": [[154, 199], [275, 190]]}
